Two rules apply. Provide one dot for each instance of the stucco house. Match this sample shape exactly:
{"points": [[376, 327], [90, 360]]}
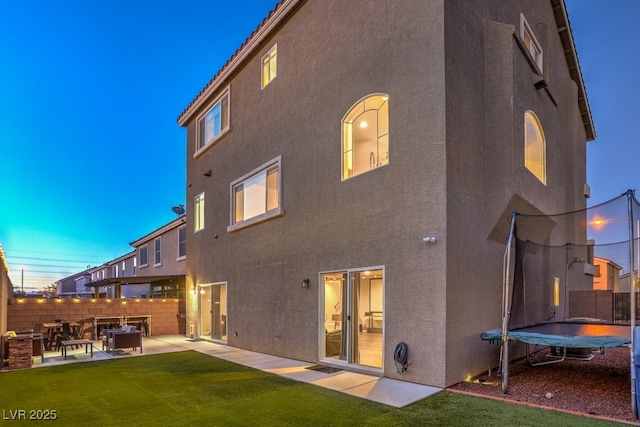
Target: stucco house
{"points": [[155, 268], [351, 170]]}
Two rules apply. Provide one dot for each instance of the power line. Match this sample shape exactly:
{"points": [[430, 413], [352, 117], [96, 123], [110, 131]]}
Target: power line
{"points": [[51, 253], [45, 259], [72, 267]]}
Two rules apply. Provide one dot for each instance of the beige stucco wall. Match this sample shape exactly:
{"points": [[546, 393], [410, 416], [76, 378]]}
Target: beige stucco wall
{"points": [[490, 85], [170, 263], [458, 87]]}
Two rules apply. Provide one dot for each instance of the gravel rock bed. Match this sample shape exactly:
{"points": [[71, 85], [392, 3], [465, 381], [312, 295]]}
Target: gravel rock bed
{"points": [[600, 387]]}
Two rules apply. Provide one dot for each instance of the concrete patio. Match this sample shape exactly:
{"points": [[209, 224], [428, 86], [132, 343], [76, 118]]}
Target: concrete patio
{"points": [[382, 390]]}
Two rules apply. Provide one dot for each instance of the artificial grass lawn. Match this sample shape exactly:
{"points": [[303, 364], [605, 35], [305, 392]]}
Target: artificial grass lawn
{"points": [[190, 388]]}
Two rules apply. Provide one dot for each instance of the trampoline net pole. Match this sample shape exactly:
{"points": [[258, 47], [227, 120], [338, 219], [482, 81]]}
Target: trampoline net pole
{"points": [[506, 307]]}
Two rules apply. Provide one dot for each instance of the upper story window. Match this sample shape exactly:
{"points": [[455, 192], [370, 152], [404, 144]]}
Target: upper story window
{"points": [[269, 65], [115, 271], [198, 212], [123, 268], [255, 197], [535, 147], [157, 249], [214, 123], [182, 242], [135, 264], [530, 42], [144, 256], [365, 136]]}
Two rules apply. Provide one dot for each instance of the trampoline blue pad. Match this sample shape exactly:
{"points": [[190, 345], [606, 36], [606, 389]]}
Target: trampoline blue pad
{"points": [[567, 334]]}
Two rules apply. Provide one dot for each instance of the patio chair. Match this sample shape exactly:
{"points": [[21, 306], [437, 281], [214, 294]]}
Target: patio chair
{"points": [[127, 337], [84, 326], [65, 335]]}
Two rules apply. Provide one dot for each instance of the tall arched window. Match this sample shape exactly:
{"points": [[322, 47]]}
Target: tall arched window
{"points": [[365, 136], [535, 158]]}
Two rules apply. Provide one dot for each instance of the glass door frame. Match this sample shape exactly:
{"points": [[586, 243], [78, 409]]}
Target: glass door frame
{"points": [[349, 326], [201, 291]]}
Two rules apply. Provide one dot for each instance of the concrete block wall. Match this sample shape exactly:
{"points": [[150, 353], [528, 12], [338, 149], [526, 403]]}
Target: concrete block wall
{"points": [[31, 313], [596, 304]]}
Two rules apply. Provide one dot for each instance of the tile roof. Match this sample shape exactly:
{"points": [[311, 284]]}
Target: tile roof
{"points": [[236, 54]]}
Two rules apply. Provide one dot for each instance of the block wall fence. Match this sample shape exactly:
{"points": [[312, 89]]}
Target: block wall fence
{"points": [[30, 313]]}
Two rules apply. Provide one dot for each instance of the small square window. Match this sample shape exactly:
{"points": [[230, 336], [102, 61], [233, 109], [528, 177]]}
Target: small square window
{"points": [[530, 42], [269, 65], [214, 123]]}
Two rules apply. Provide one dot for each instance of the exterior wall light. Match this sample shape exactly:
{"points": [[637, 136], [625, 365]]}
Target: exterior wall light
{"points": [[305, 284]]}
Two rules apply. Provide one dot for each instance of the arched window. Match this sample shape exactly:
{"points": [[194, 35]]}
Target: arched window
{"points": [[365, 136], [535, 158]]}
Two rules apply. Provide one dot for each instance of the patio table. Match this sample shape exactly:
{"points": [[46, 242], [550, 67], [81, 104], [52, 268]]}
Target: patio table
{"points": [[110, 321], [53, 329], [140, 321], [87, 345]]}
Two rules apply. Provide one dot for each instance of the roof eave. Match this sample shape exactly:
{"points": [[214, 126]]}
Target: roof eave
{"points": [[253, 43], [571, 55]]}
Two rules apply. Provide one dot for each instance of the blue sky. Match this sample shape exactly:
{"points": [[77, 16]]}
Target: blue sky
{"points": [[92, 157]]}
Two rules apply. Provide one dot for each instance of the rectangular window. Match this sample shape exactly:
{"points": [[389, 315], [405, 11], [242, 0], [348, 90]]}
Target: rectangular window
{"points": [[530, 42], [115, 271], [135, 264], [157, 248], [269, 66], [256, 196], [144, 256], [214, 123], [182, 242], [198, 212], [123, 268]]}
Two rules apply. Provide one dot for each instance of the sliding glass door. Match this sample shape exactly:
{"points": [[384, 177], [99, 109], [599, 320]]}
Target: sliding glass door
{"points": [[213, 311], [353, 316]]}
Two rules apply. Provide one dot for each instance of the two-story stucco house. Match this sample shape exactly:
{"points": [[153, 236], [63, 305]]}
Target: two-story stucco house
{"points": [[351, 171], [154, 269]]}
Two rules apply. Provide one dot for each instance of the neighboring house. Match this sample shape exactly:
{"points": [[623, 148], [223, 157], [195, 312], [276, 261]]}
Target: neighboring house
{"points": [[160, 258], [154, 269], [74, 285], [607, 276], [623, 282], [352, 169]]}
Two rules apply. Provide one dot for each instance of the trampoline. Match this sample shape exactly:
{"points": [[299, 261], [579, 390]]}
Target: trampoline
{"points": [[549, 259], [567, 335]]}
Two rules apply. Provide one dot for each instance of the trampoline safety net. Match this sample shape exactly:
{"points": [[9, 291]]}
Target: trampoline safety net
{"points": [[560, 259]]}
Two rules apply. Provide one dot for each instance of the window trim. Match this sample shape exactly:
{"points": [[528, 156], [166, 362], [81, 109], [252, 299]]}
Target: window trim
{"points": [[157, 251], [525, 28], [146, 249], [274, 213], [226, 92], [540, 131], [198, 211], [271, 55], [181, 257], [344, 122]]}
